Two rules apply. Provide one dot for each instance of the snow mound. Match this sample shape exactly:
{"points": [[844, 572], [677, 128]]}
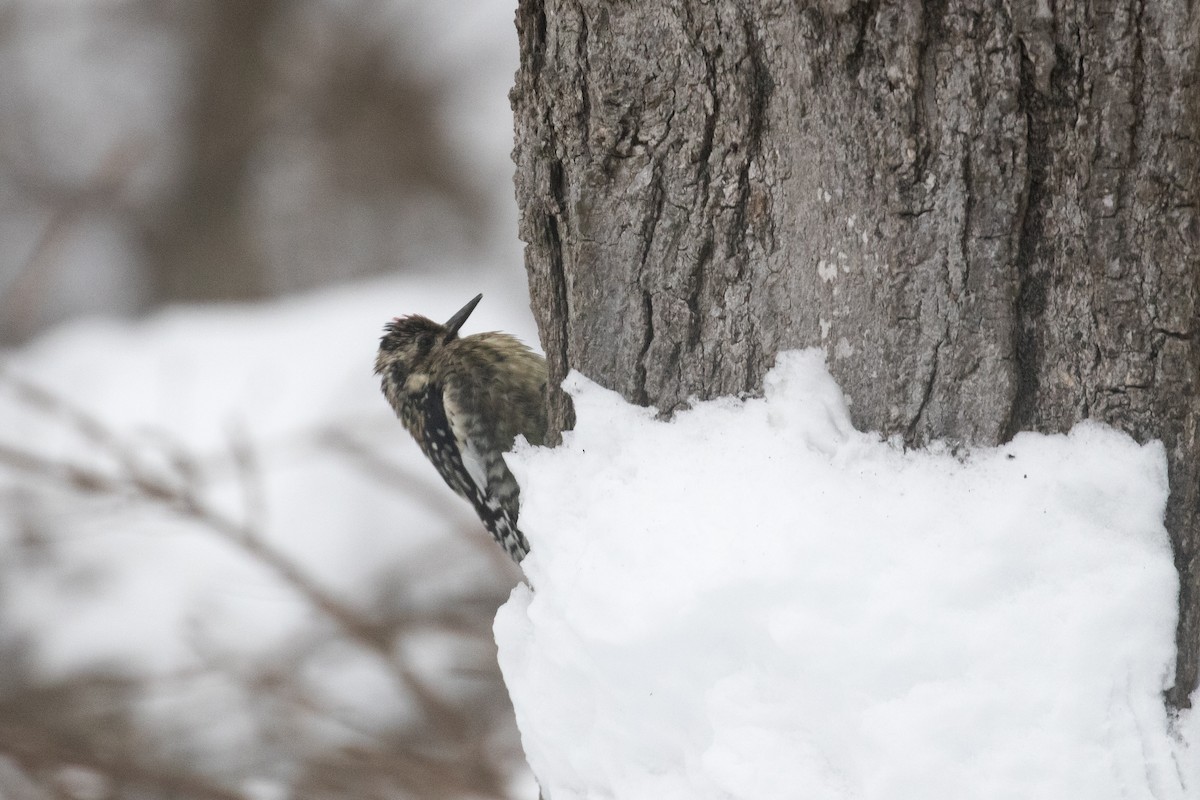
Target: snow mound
{"points": [[755, 600]]}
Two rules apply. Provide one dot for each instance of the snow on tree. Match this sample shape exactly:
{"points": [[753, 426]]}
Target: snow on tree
{"points": [[756, 600], [983, 212]]}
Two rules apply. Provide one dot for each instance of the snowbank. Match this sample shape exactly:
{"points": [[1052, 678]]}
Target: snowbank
{"points": [[756, 600]]}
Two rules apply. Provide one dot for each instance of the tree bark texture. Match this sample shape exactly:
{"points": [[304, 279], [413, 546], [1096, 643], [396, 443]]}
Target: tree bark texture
{"points": [[983, 210]]}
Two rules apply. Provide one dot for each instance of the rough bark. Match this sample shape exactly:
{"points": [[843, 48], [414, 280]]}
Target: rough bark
{"points": [[984, 211]]}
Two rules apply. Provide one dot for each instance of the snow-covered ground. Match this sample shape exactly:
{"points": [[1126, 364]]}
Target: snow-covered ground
{"points": [[756, 600], [223, 564], [271, 416], [753, 600]]}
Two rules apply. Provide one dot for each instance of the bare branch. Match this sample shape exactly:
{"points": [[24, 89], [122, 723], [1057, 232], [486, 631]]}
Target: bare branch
{"points": [[446, 753], [37, 749]]}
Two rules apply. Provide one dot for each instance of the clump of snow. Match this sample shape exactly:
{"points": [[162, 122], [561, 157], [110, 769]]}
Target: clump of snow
{"points": [[756, 600]]}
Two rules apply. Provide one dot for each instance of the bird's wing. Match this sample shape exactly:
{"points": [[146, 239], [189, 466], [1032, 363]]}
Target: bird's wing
{"points": [[469, 437], [495, 494], [441, 446]]}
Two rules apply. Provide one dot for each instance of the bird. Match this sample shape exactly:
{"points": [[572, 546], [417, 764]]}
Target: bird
{"points": [[465, 400]]}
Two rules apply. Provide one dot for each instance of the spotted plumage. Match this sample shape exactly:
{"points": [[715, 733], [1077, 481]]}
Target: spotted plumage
{"points": [[465, 400]]}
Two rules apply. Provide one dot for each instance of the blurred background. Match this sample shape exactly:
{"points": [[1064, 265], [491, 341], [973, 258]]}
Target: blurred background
{"points": [[225, 570], [156, 151]]}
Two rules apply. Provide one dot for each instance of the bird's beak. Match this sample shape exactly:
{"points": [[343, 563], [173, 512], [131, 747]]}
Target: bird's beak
{"points": [[456, 322]]}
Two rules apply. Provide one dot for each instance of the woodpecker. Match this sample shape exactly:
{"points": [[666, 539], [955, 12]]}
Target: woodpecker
{"points": [[465, 400]]}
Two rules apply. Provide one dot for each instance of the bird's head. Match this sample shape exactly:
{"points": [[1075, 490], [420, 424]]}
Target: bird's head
{"points": [[409, 344]]}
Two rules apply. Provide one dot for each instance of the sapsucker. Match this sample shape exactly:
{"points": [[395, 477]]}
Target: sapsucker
{"points": [[465, 400]]}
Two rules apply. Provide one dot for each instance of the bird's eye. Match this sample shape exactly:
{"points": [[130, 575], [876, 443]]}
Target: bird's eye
{"points": [[425, 343]]}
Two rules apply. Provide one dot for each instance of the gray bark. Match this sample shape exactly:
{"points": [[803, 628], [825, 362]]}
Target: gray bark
{"points": [[983, 210]]}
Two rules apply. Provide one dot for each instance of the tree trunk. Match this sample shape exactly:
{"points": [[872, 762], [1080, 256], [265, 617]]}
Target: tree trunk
{"points": [[984, 212]]}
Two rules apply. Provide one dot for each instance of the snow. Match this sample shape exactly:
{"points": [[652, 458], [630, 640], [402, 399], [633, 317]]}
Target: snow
{"points": [[113, 582], [756, 600], [751, 600]]}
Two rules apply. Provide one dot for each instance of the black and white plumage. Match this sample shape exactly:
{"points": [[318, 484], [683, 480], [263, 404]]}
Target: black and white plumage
{"points": [[465, 400]]}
